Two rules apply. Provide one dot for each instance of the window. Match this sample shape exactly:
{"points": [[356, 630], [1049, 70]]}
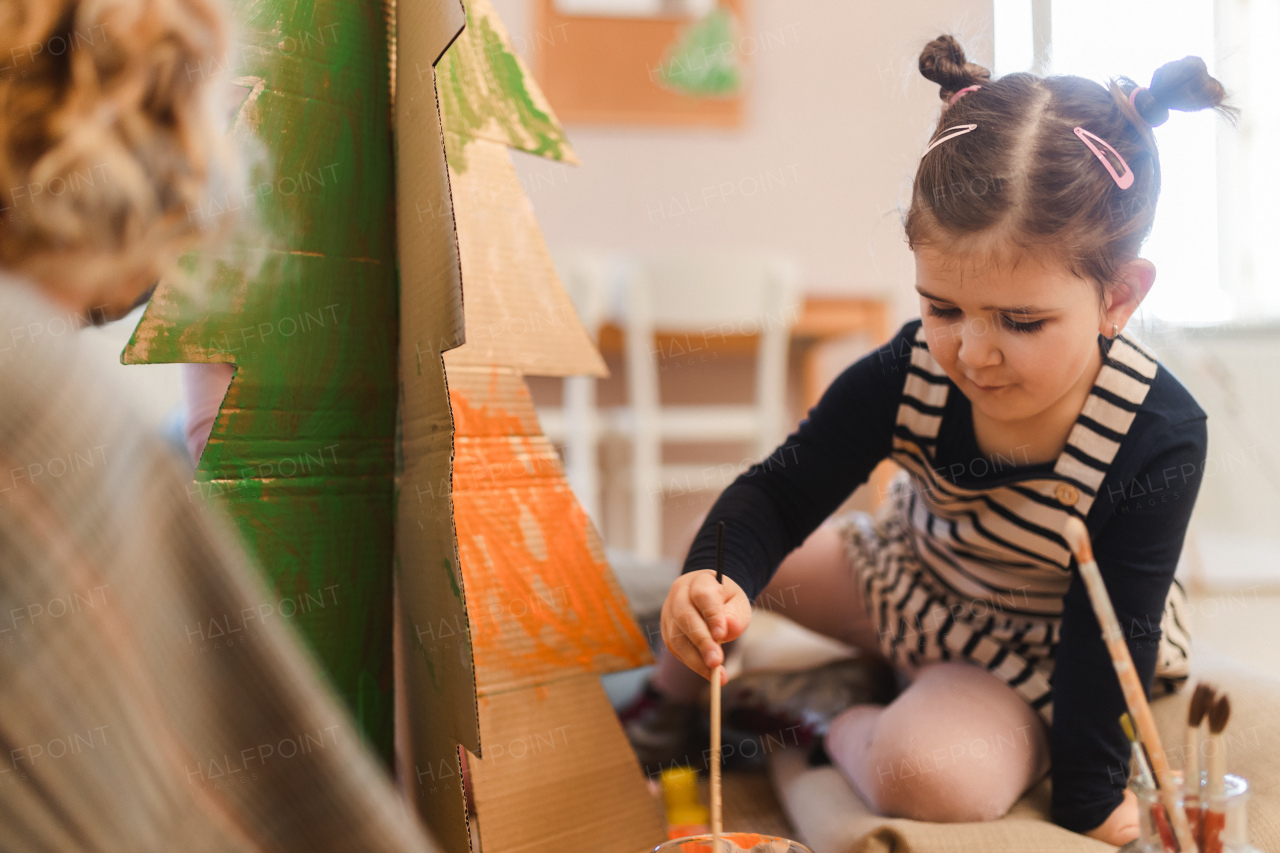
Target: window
{"points": [[1216, 209]]}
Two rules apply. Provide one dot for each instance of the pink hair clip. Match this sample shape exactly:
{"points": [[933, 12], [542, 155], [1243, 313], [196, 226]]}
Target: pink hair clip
{"points": [[949, 133], [957, 95], [1122, 181]]}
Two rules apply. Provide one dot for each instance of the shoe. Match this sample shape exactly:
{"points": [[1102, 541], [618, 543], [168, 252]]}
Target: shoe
{"points": [[662, 733], [796, 708], [818, 755]]}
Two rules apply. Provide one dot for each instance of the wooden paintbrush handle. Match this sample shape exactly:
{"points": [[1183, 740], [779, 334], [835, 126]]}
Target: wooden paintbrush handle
{"points": [[716, 824], [1137, 702], [1134, 697]]}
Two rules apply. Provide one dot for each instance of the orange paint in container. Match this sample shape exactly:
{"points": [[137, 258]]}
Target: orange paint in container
{"points": [[731, 842]]}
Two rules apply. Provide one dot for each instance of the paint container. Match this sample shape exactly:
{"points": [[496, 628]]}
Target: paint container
{"points": [[733, 842], [1235, 835], [686, 815]]}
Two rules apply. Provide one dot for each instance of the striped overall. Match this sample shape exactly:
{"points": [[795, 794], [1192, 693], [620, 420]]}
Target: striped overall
{"points": [[950, 573]]}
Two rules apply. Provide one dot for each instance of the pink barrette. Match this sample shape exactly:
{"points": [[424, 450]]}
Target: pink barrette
{"points": [[959, 130], [957, 95], [1123, 182]]}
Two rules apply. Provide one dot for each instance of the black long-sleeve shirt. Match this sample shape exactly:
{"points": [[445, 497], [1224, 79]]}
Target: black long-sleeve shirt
{"points": [[1137, 524]]}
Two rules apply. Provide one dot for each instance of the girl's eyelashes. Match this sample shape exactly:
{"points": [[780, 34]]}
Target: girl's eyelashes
{"points": [[1008, 322], [1014, 326]]}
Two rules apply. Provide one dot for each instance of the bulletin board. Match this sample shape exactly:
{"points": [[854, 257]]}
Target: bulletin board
{"points": [[609, 70]]}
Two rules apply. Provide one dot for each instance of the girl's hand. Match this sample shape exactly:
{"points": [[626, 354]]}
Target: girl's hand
{"points": [[1122, 826], [700, 614]]}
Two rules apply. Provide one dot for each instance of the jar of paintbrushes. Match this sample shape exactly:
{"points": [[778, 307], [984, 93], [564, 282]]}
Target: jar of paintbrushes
{"points": [[1215, 802], [1208, 819]]}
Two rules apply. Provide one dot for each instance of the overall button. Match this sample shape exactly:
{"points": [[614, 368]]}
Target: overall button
{"points": [[1067, 494]]}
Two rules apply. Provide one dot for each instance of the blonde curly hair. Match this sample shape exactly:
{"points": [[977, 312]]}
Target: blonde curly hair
{"points": [[113, 128]]}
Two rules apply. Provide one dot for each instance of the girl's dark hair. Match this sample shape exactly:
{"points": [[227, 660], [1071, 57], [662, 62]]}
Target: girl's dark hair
{"points": [[1023, 178]]}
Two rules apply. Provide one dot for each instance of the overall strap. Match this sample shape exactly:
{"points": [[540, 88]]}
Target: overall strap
{"points": [[924, 398], [1127, 373]]}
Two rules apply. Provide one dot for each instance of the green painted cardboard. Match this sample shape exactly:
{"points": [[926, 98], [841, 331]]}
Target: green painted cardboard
{"points": [[302, 453]]}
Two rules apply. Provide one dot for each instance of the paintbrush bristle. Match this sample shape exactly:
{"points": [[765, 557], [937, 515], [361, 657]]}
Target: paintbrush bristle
{"points": [[1078, 540], [1126, 722], [1219, 714], [1201, 699]]}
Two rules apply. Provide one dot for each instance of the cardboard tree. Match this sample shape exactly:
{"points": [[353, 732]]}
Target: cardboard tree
{"points": [[335, 452], [302, 453], [530, 602]]}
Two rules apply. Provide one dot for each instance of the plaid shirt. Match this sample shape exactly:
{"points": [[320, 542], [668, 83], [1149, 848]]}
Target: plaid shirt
{"points": [[150, 698]]}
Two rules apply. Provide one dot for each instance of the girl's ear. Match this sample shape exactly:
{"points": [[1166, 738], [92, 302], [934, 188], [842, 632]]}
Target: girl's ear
{"points": [[1133, 282]]}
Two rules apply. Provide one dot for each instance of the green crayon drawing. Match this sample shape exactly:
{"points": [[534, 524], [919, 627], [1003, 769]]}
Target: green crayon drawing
{"points": [[703, 61]]}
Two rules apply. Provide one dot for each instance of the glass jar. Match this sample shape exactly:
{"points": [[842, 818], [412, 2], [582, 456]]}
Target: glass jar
{"points": [[733, 842], [1151, 813]]}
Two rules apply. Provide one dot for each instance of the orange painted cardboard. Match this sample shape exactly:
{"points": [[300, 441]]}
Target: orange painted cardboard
{"points": [[542, 600], [546, 618]]}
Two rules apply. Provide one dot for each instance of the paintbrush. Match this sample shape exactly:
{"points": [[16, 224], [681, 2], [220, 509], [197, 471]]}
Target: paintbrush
{"points": [[717, 826], [1201, 700], [1158, 815], [1134, 697], [720, 552], [1215, 816], [716, 814]]}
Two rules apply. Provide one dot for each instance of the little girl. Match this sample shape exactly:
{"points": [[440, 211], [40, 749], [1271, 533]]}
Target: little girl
{"points": [[1017, 401]]}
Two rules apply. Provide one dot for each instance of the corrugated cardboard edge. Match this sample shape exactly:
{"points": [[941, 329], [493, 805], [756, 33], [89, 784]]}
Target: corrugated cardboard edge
{"points": [[559, 774], [440, 697]]}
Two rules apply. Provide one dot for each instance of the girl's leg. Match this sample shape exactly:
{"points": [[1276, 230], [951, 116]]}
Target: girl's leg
{"points": [[814, 586], [957, 745]]}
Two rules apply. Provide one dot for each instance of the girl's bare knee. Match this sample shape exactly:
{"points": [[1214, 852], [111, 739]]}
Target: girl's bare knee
{"points": [[954, 748], [930, 785]]}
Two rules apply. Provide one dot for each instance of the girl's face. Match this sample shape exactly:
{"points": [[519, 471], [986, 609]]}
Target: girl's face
{"points": [[1015, 341]]}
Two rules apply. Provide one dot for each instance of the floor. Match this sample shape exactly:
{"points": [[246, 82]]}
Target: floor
{"points": [[1242, 624], [750, 805]]}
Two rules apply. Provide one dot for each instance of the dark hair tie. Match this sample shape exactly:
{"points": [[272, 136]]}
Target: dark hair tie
{"points": [[1133, 103]]}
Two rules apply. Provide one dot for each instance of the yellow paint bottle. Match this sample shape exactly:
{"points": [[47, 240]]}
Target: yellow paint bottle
{"points": [[686, 815]]}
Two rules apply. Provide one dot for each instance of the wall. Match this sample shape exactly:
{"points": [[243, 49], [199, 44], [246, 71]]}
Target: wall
{"points": [[837, 115]]}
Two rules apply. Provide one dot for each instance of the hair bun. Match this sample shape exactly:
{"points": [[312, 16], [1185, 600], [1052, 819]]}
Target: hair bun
{"points": [[1186, 85], [943, 62]]}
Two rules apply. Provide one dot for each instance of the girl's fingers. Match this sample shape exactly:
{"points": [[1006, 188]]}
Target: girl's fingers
{"points": [[707, 598], [700, 614], [688, 654], [690, 623], [673, 635], [737, 615]]}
